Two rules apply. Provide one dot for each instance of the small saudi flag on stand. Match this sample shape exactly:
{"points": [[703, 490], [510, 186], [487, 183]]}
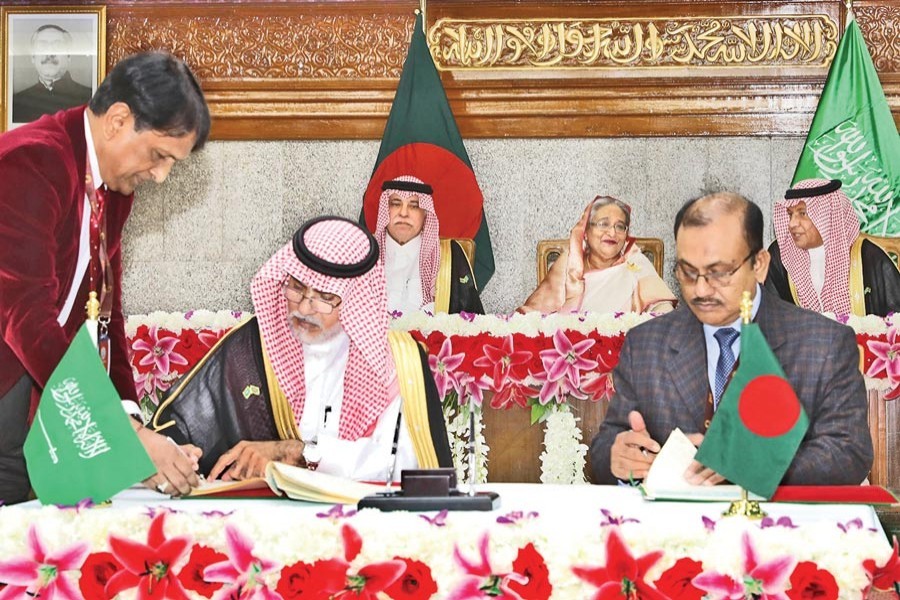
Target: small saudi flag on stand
{"points": [[853, 138], [421, 139], [759, 424], [81, 444]]}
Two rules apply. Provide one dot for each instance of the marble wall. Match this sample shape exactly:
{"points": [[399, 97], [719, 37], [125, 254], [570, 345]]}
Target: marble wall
{"points": [[197, 240]]}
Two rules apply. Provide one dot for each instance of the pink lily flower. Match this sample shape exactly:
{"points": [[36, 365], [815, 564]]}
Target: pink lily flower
{"points": [[480, 580], [555, 389], [622, 577], [41, 573], [242, 571], [501, 360], [148, 567], [763, 581], [566, 360], [443, 366], [887, 359], [473, 388], [160, 352]]}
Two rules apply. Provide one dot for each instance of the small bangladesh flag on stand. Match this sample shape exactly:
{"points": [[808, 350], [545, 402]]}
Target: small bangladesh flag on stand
{"points": [[760, 423], [421, 139], [853, 138], [81, 443]]}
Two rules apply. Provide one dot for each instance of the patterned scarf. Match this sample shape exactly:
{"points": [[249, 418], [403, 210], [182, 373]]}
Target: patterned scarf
{"points": [[370, 382], [838, 225], [430, 252]]}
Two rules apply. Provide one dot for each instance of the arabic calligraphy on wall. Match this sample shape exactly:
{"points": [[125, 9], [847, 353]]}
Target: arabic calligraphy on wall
{"points": [[757, 41]]}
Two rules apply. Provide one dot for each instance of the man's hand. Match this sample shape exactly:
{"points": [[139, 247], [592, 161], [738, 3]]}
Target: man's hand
{"points": [[248, 459], [697, 474], [633, 451], [176, 466]]}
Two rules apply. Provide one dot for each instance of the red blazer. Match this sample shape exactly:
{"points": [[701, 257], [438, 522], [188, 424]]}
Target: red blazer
{"points": [[42, 169]]}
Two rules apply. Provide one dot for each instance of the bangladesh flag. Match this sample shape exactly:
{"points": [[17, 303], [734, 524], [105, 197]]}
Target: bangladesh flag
{"points": [[853, 138], [81, 443], [760, 423], [421, 139]]}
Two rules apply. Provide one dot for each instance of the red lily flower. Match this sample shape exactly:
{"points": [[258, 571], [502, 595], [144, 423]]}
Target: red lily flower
{"points": [[367, 583], [501, 360], [883, 577], [148, 567], [623, 575]]}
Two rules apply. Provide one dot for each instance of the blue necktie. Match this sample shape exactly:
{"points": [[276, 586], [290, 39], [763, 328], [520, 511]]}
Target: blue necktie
{"points": [[725, 337]]}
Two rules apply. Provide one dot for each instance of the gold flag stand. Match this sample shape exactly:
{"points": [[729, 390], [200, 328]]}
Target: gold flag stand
{"points": [[745, 507]]}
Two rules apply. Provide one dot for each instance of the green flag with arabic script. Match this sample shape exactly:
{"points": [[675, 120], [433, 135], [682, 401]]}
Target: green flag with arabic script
{"points": [[853, 138], [81, 443]]}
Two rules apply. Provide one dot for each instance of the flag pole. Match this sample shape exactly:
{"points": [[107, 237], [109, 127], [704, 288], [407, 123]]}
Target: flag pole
{"points": [[422, 4], [745, 507], [849, 16]]}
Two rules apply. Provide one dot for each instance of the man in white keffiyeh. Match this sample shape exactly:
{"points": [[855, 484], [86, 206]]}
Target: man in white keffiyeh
{"points": [[819, 259], [314, 379], [422, 271]]}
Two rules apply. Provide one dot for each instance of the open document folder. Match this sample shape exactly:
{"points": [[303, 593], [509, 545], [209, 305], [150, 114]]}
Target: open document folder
{"points": [[666, 481], [296, 483]]}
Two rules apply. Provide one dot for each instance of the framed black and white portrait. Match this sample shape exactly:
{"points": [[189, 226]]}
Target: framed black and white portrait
{"points": [[53, 58]]}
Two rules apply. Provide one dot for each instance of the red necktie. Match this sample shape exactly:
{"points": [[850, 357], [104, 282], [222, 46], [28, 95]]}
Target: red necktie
{"points": [[101, 278]]}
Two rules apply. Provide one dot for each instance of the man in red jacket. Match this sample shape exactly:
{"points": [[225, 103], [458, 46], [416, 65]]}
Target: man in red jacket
{"points": [[68, 184]]}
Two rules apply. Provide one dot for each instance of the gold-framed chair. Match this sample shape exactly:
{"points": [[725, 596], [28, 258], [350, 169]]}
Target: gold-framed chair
{"points": [[549, 250], [891, 246], [468, 246]]}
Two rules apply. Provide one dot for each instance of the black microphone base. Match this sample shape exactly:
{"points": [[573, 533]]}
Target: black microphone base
{"points": [[457, 500]]}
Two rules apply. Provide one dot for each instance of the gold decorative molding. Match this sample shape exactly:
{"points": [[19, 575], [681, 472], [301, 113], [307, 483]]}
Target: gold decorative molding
{"points": [[616, 43], [880, 26], [276, 46]]}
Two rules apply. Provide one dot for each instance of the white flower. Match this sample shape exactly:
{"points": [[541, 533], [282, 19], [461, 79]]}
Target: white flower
{"points": [[563, 458]]}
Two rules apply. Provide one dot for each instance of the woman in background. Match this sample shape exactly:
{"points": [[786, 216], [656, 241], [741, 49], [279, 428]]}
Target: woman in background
{"points": [[603, 270]]}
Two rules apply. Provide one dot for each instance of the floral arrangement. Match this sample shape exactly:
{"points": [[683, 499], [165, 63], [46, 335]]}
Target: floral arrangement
{"points": [[533, 362], [157, 553]]}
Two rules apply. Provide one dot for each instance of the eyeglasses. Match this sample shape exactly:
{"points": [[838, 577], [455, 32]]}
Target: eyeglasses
{"points": [[320, 305], [602, 226], [714, 279]]}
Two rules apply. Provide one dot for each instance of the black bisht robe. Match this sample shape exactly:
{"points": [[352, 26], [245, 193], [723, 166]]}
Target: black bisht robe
{"points": [[881, 279], [225, 398], [463, 289]]}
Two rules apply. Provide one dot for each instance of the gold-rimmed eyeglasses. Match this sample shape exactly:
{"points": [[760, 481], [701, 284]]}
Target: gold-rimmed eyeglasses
{"points": [[297, 294], [601, 226], [714, 279]]}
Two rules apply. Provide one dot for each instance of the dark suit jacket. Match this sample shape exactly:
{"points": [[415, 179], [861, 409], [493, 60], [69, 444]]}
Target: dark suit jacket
{"points": [[662, 374], [42, 169], [32, 103]]}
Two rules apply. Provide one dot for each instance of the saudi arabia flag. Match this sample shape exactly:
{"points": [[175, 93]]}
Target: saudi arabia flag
{"points": [[421, 139], [760, 423], [81, 444], [853, 138]]}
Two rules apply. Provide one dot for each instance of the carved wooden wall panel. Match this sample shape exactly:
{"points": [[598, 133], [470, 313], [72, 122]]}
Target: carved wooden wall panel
{"points": [[326, 69]]}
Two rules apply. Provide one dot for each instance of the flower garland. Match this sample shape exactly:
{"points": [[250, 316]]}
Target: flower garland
{"points": [[563, 458], [99, 553]]}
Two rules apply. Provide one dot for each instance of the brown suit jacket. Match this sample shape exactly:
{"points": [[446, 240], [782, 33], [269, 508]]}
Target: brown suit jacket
{"points": [[662, 374]]}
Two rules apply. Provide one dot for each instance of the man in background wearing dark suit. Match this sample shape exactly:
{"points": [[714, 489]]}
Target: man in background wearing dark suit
{"points": [[672, 370], [51, 46]]}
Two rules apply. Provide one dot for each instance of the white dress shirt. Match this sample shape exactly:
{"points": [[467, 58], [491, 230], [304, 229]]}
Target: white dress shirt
{"points": [[367, 458], [401, 272], [712, 345]]}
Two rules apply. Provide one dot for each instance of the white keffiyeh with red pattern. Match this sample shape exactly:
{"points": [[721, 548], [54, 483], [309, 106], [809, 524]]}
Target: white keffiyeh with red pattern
{"points": [[370, 382], [430, 252], [833, 216]]}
